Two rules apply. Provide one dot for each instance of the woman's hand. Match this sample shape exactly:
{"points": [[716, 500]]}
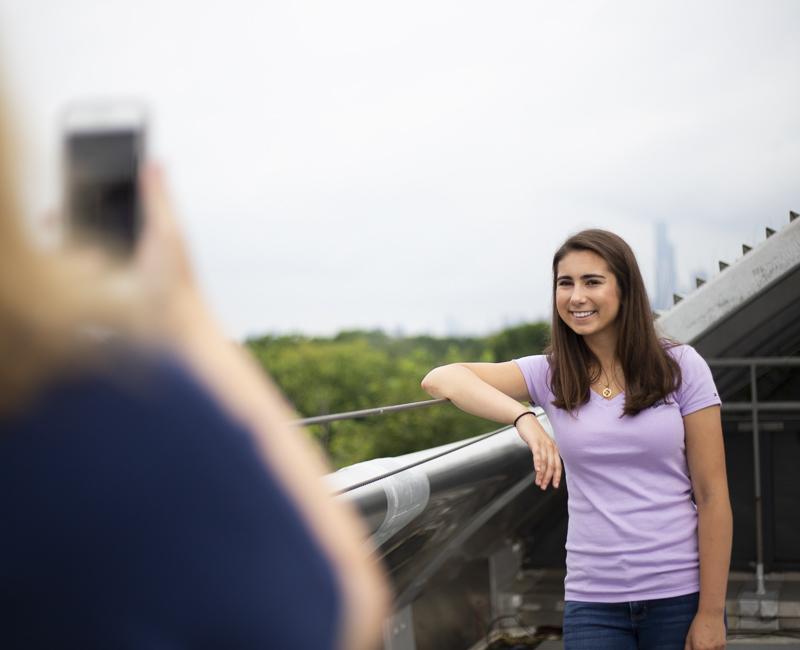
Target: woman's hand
{"points": [[707, 632], [546, 460], [162, 260]]}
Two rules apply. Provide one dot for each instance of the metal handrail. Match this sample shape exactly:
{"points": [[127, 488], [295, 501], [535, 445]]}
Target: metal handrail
{"points": [[363, 413], [722, 363], [754, 361], [426, 459], [382, 410], [753, 406]]}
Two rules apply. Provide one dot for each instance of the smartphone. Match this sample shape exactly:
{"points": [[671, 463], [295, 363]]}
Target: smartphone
{"points": [[103, 150]]}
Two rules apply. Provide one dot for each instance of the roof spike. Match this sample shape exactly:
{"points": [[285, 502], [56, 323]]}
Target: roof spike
{"points": [[793, 215], [770, 232], [746, 249], [676, 298], [699, 282], [723, 265]]}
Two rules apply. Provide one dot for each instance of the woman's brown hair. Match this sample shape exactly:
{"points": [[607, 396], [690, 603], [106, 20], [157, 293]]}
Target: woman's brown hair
{"points": [[651, 374]]}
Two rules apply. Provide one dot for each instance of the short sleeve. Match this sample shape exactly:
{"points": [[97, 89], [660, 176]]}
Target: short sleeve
{"points": [[697, 389], [534, 370]]}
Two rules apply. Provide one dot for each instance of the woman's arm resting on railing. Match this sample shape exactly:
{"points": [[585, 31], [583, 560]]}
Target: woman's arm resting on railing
{"points": [[494, 391]]}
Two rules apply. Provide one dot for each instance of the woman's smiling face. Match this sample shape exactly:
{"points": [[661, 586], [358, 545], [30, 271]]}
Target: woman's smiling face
{"points": [[587, 293]]}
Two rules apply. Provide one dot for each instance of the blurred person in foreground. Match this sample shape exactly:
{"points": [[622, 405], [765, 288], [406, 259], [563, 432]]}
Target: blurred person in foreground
{"points": [[152, 492]]}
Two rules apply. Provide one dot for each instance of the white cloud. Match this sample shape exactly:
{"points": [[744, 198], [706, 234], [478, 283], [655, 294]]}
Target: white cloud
{"points": [[360, 164]]}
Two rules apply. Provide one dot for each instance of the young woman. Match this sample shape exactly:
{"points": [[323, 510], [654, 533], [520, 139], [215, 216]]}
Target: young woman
{"points": [[152, 491], [637, 423]]}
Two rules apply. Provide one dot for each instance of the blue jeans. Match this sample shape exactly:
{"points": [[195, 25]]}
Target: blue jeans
{"points": [[659, 624]]}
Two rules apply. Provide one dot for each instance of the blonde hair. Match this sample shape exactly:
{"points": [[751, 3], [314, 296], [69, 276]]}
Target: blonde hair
{"points": [[46, 297]]}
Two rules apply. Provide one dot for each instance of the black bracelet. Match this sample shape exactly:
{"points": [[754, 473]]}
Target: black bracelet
{"points": [[522, 415]]}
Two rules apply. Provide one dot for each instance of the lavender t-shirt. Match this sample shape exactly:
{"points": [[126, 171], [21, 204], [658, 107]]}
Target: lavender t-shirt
{"points": [[632, 531]]}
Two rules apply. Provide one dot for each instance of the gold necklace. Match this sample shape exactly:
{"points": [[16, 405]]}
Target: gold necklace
{"points": [[607, 390]]}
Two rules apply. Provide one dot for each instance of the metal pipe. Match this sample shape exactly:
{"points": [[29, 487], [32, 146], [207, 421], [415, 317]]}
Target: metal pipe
{"points": [[760, 589], [354, 415], [762, 406], [731, 406], [758, 361], [425, 459]]}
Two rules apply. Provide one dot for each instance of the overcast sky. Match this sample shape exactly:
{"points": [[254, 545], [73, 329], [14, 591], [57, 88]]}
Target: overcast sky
{"points": [[413, 166]]}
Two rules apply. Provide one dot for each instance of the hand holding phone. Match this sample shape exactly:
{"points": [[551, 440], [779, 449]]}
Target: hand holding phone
{"points": [[103, 153]]}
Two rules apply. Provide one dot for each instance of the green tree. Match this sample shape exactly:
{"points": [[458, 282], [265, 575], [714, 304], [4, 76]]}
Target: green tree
{"points": [[519, 341], [357, 370]]}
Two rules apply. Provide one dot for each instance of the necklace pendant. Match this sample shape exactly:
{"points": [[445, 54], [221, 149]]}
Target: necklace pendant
{"points": [[607, 392]]}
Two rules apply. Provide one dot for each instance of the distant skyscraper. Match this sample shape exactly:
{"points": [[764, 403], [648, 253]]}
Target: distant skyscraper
{"points": [[665, 269], [452, 327]]}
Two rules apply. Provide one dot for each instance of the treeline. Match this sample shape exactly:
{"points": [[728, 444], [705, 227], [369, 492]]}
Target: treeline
{"points": [[365, 369]]}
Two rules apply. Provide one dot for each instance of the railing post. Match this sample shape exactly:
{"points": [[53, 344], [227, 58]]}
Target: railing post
{"points": [[398, 631], [760, 588], [504, 564]]}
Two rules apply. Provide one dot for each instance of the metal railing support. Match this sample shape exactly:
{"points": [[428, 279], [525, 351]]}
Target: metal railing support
{"points": [[754, 406], [760, 588]]}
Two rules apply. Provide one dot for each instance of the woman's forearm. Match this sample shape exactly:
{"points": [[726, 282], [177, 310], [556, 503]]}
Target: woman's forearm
{"points": [[479, 393], [715, 535], [471, 394]]}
